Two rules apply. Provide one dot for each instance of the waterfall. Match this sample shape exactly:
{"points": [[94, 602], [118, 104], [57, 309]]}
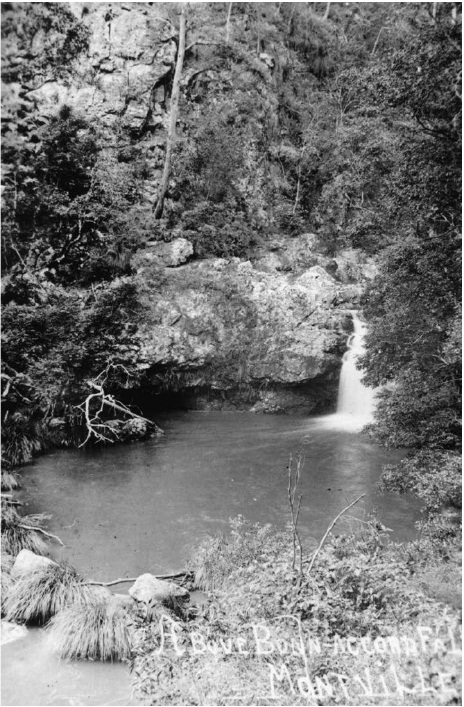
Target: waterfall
{"points": [[356, 402]]}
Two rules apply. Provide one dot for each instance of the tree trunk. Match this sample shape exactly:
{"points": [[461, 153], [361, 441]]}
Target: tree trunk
{"points": [[228, 22], [327, 11], [173, 118]]}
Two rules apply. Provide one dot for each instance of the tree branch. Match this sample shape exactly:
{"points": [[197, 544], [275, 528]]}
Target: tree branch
{"points": [[44, 532], [319, 547], [123, 580]]}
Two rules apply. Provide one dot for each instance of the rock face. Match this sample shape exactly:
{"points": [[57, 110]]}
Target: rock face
{"points": [[232, 333], [120, 84], [131, 51]]}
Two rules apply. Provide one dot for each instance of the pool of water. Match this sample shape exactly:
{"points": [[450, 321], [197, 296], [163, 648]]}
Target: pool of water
{"points": [[143, 507], [122, 511]]}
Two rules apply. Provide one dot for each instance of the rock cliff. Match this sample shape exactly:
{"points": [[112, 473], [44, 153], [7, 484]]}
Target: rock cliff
{"points": [[266, 335]]}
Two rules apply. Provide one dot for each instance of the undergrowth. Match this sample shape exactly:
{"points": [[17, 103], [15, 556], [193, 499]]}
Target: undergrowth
{"points": [[267, 634]]}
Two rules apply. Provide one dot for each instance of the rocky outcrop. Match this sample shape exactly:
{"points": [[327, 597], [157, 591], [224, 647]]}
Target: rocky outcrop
{"points": [[232, 333], [120, 84], [130, 55]]}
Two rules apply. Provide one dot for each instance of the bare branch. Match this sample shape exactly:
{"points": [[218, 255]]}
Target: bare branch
{"points": [[36, 529], [124, 580], [319, 547], [293, 481]]}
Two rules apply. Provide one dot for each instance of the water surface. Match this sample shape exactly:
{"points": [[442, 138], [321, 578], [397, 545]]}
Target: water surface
{"points": [[142, 507]]}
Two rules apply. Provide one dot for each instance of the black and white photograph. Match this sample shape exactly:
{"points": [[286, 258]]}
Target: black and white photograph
{"points": [[231, 335]]}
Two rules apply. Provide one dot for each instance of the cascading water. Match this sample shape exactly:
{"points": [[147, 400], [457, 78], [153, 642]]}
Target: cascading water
{"points": [[356, 402]]}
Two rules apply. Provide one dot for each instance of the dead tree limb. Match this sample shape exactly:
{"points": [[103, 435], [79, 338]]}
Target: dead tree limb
{"points": [[101, 431], [319, 547], [36, 529], [109, 402], [125, 580]]}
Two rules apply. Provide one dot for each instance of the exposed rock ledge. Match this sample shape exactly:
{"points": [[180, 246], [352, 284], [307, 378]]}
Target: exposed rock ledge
{"points": [[232, 334]]}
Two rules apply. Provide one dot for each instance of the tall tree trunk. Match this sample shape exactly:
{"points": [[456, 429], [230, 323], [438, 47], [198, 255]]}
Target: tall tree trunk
{"points": [[327, 11], [228, 22], [173, 118]]}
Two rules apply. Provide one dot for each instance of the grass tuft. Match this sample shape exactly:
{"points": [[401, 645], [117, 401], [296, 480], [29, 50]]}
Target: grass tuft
{"points": [[16, 536], [9, 481], [6, 565], [40, 594], [98, 631]]}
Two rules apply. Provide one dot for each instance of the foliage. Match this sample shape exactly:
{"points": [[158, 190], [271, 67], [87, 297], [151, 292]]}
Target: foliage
{"points": [[413, 311], [363, 590], [413, 304], [51, 348], [436, 478]]}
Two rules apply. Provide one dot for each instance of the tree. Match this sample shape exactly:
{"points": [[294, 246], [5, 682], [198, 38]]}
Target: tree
{"points": [[173, 117]]}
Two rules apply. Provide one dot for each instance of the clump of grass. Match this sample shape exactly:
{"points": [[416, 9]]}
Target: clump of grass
{"points": [[96, 631], [9, 481], [38, 595], [19, 532], [6, 565]]}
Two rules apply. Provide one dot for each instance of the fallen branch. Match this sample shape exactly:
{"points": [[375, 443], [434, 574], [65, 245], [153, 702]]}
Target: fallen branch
{"points": [[319, 547], [122, 580], [97, 428], [108, 401], [41, 530]]}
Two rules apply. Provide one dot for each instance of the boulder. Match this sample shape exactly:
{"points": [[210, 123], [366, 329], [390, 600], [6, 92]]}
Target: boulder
{"points": [[172, 254], [27, 561], [150, 590], [135, 428]]}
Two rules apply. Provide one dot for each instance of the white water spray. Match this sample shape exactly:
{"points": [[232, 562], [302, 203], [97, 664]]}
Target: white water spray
{"points": [[356, 402]]}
